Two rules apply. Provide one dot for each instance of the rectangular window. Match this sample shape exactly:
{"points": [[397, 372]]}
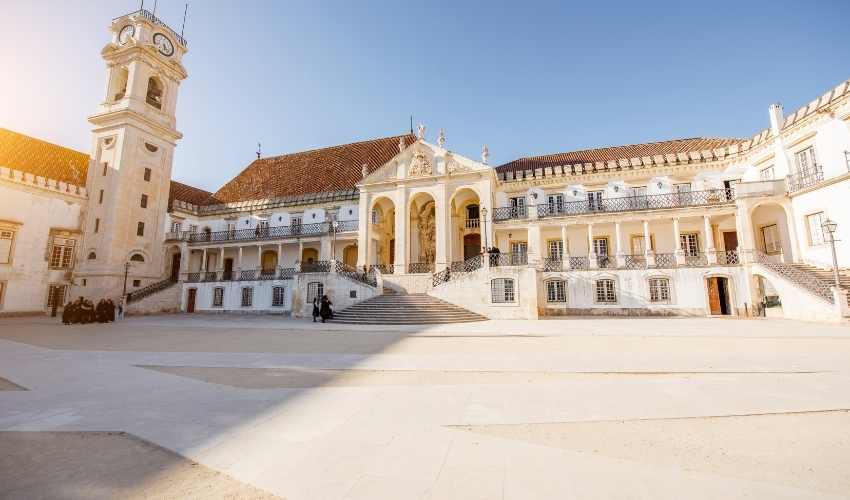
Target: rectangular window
{"points": [[605, 292], [247, 296], [594, 200], [600, 247], [556, 249], [96, 225], [815, 224], [147, 174], [62, 253], [137, 283], [176, 227], [140, 229], [502, 290], [519, 247], [218, 296], [56, 293], [639, 191], [556, 203], [315, 289], [100, 198], [6, 239], [767, 174], [193, 228], [231, 229], [689, 243], [659, 290], [278, 294], [518, 206], [639, 244], [806, 162], [556, 291], [144, 202], [296, 221], [683, 191], [770, 238]]}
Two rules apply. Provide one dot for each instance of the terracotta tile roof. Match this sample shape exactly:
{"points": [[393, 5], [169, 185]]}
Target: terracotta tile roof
{"points": [[189, 194], [617, 153], [37, 157], [336, 168]]}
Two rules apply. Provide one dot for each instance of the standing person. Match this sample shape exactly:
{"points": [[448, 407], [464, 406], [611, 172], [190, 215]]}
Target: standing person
{"points": [[110, 310], [121, 308], [99, 312], [66, 313], [315, 308], [325, 310]]}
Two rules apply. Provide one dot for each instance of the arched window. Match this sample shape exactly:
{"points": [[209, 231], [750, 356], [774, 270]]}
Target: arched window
{"points": [[119, 84], [92, 256], [556, 291], [137, 257], [154, 96]]}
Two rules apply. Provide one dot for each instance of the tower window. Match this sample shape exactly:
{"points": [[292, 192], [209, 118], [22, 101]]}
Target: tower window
{"points": [[105, 168], [140, 229], [92, 256], [137, 257], [147, 174], [96, 225], [100, 197], [154, 95], [144, 201]]}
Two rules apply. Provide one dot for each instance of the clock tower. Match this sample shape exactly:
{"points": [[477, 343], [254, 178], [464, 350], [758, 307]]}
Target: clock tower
{"points": [[133, 138]]}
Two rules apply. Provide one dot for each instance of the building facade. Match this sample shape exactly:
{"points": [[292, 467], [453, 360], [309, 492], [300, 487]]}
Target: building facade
{"points": [[700, 226]]}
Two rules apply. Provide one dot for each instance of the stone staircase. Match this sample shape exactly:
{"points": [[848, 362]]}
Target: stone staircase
{"points": [[816, 280], [404, 309]]}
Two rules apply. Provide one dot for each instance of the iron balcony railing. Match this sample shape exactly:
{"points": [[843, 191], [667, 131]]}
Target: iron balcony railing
{"points": [[696, 259], [728, 258], [665, 260], [456, 270], [321, 266], [383, 268], [351, 273], [805, 179], [259, 274], [623, 204], [552, 264], [420, 268], [263, 232], [150, 290], [634, 262], [508, 259], [579, 262]]}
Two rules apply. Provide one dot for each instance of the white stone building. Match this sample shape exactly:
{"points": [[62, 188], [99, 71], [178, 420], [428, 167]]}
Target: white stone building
{"points": [[679, 227]]}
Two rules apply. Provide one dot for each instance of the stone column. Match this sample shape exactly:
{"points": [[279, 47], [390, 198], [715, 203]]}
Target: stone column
{"points": [[677, 243], [620, 256], [204, 260], [364, 227], [185, 257], [591, 255], [744, 228], [793, 242], [239, 265], [535, 252], [441, 219], [401, 218], [648, 253], [300, 255], [280, 255], [325, 252], [709, 240], [220, 266], [565, 257]]}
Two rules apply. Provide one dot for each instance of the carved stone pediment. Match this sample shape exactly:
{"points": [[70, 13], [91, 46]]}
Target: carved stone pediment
{"points": [[419, 165], [455, 167]]}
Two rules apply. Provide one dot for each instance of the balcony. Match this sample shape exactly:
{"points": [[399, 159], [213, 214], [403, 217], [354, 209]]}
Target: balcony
{"points": [[805, 179], [257, 274], [471, 223], [262, 233], [623, 204]]}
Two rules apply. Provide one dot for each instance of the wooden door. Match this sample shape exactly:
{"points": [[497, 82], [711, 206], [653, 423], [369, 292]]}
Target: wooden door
{"points": [[714, 304], [175, 267], [228, 269], [190, 300], [730, 240], [471, 245]]}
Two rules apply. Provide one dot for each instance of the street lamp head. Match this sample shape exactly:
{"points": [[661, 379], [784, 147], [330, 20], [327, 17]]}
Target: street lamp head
{"points": [[830, 226], [484, 211]]}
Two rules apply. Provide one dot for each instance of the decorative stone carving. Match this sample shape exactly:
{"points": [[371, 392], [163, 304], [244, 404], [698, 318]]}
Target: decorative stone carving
{"points": [[364, 171], [401, 144], [427, 234], [441, 139], [420, 132], [485, 154], [453, 166], [419, 165]]}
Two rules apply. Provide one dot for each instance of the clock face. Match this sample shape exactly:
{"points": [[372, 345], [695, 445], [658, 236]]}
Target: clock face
{"points": [[125, 33], [163, 44]]}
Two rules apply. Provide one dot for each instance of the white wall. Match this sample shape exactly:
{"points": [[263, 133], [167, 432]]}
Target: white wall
{"points": [[833, 201]]}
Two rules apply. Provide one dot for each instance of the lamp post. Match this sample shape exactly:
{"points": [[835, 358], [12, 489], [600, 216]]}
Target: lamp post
{"points": [[830, 226], [126, 271], [484, 225]]}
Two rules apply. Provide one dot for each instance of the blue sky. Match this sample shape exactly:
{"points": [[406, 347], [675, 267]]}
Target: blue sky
{"points": [[525, 78]]}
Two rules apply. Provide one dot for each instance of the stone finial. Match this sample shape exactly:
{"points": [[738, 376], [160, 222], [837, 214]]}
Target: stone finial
{"points": [[401, 144], [420, 131], [364, 170], [441, 139], [485, 154]]}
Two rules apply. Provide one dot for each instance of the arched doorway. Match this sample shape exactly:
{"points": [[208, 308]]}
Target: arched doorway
{"points": [[771, 232], [382, 233], [173, 263], [309, 256], [349, 255], [423, 234], [466, 239]]}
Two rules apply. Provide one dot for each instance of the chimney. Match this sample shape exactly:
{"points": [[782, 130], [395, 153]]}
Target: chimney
{"points": [[776, 118]]}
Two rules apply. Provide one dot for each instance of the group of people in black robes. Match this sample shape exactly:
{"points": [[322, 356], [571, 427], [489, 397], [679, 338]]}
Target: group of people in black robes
{"points": [[84, 311], [322, 308]]}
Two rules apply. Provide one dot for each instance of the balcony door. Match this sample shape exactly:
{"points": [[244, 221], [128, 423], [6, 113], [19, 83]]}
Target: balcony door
{"points": [[471, 245], [175, 267], [689, 243]]}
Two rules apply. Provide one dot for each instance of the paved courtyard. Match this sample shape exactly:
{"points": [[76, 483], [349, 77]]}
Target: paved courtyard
{"points": [[262, 407]]}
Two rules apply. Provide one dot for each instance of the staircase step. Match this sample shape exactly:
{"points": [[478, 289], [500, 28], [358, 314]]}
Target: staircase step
{"points": [[405, 309]]}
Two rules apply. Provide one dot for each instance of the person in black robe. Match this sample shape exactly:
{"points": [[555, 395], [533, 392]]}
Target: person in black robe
{"points": [[110, 311], [315, 308], [325, 310], [66, 313], [99, 313], [86, 312]]}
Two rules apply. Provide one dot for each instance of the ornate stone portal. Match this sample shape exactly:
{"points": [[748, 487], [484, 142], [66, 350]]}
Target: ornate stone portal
{"points": [[427, 226]]}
